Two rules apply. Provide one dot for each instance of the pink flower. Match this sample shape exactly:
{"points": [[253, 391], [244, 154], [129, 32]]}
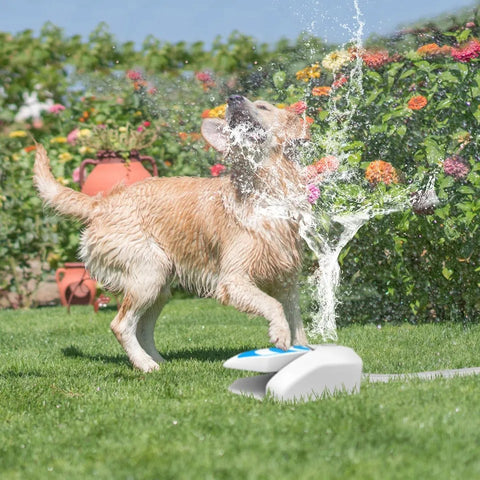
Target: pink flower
{"points": [[72, 136], [204, 77], [456, 167], [140, 129], [146, 123], [217, 169], [56, 108], [76, 175], [134, 75], [313, 192], [467, 52]]}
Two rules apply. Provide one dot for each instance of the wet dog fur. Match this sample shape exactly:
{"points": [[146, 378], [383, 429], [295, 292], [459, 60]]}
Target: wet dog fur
{"points": [[216, 235]]}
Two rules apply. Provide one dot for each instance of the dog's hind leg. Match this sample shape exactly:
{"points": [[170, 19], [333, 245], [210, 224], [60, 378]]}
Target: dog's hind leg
{"points": [[124, 326], [246, 297], [146, 325], [144, 283], [288, 295]]}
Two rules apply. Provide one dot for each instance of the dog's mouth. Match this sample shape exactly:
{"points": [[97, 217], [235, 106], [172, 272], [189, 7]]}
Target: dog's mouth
{"points": [[241, 118]]}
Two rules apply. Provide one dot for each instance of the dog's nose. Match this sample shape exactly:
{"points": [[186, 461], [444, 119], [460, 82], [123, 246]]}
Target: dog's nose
{"points": [[235, 99]]}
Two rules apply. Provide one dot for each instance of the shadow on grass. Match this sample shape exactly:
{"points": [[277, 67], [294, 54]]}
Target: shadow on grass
{"points": [[74, 352], [200, 354], [206, 354], [22, 374]]}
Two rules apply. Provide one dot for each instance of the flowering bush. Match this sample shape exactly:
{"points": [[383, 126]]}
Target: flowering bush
{"points": [[416, 117]]}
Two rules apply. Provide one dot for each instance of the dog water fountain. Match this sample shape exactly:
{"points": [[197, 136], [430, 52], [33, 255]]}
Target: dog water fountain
{"points": [[299, 373]]}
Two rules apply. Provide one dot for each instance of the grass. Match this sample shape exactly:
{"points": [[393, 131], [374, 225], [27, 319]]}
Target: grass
{"points": [[72, 407]]}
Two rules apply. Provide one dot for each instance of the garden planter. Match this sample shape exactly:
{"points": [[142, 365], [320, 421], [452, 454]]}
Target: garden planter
{"points": [[112, 169], [75, 285]]}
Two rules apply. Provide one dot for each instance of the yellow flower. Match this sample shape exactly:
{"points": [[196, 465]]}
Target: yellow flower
{"points": [[218, 112], [84, 150], [17, 134], [281, 105], [122, 129], [65, 157], [58, 140], [336, 60], [62, 180], [84, 133], [309, 73], [138, 113], [16, 157]]}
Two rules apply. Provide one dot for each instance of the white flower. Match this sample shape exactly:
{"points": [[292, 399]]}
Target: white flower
{"points": [[336, 60], [32, 107]]}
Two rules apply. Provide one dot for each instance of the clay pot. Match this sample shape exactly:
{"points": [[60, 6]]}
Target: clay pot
{"points": [[112, 169], [75, 285]]}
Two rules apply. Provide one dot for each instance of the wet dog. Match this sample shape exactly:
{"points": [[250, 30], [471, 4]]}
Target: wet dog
{"points": [[235, 238]]}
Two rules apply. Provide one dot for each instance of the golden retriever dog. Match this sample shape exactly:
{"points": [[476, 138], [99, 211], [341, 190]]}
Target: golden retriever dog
{"points": [[235, 238]]}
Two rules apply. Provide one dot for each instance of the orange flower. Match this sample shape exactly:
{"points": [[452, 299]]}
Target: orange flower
{"points": [[30, 148], [432, 50], [375, 59], [183, 136], [379, 171], [320, 169], [417, 103], [321, 91], [326, 164]]}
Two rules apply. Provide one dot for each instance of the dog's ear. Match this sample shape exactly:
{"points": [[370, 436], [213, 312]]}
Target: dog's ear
{"points": [[213, 131]]}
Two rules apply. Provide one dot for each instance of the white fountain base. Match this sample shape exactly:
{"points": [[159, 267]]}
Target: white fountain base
{"points": [[298, 374]]}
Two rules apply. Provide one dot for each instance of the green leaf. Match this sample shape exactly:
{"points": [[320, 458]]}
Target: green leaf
{"points": [[467, 190], [279, 79], [407, 73], [447, 77], [447, 273]]}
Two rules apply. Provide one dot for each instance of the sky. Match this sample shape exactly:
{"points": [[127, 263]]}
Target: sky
{"points": [[202, 20]]}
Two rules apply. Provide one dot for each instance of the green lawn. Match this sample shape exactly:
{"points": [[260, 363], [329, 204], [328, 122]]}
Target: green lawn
{"points": [[71, 407]]}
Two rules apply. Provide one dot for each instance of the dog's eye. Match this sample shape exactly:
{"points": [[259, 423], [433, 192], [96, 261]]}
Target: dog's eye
{"points": [[262, 107]]}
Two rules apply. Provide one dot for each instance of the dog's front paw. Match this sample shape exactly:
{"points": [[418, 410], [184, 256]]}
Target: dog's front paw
{"points": [[147, 366], [280, 337]]}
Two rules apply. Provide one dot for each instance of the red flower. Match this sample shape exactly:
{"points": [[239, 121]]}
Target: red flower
{"points": [[133, 75], [298, 107], [204, 77], [339, 82], [146, 123], [217, 169]]}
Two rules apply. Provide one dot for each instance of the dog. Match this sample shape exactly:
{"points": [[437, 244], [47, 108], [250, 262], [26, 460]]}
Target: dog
{"points": [[235, 238]]}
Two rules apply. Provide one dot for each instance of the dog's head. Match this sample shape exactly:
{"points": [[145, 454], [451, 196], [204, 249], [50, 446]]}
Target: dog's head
{"points": [[255, 128]]}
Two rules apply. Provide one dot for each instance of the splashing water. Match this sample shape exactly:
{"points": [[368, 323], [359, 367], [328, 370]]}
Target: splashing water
{"points": [[328, 231]]}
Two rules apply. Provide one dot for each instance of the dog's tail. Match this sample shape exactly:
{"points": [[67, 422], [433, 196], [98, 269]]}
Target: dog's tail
{"points": [[64, 200]]}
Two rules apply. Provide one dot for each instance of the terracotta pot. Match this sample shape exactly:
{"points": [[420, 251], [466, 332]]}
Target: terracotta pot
{"points": [[111, 169], [75, 285]]}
